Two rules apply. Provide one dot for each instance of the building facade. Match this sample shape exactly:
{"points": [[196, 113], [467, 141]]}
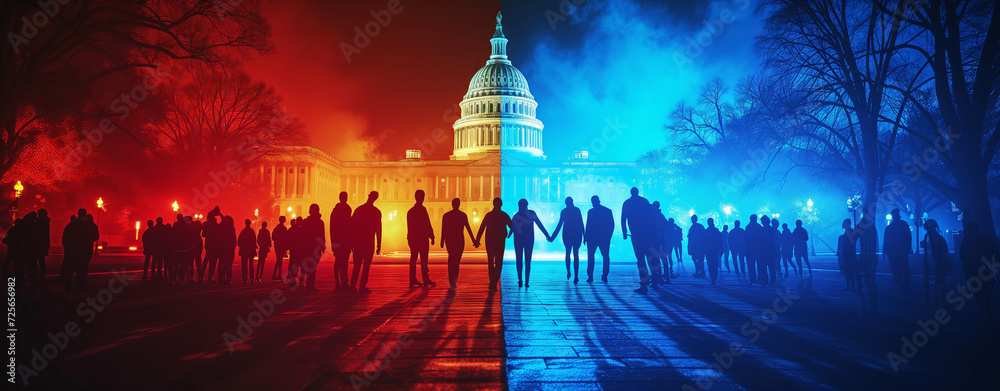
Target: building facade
{"points": [[497, 152]]}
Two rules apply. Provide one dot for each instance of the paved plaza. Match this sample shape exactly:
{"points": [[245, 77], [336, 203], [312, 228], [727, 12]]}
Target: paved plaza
{"points": [[807, 334]]}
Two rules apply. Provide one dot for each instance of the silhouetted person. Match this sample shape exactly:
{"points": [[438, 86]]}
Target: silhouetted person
{"points": [[280, 239], [978, 254], [800, 249], [776, 259], [296, 253], [80, 235], [675, 236], [182, 245], [935, 253], [212, 232], [367, 223], [738, 249], [766, 272], [43, 237], [637, 217], [14, 264], [453, 239], [677, 241], [340, 242], [787, 244], [725, 247], [314, 241], [572, 218], [659, 248], [69, 243], [263, 248], [847, 256], [198, 269], [26, 262], [868, 251], [754, 248], [713, 249], [247, 242], [696, 246], [227, 249], [418, 232], [147, 247], [898, 244], [600, 229], [523, 231], [495, 224]]}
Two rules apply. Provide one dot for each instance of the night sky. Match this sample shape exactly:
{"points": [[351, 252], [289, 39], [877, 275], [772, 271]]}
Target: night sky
{"points": [[605, 70]]}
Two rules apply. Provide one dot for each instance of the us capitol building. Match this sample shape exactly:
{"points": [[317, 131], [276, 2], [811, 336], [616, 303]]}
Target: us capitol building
{"points": [[497, 152]]}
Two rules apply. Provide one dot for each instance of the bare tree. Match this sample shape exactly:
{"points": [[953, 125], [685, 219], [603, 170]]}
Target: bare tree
{"points": [[59, 59]]}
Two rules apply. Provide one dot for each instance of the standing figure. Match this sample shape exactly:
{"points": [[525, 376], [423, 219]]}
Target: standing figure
{"points": [[725, 247], [800, 249], [898, 243], [678, 243], [978, 254], [314, 246], [868, 262], [753, 248], [787, 243], [247, 242], [776, 259], [600, 228], [43, 238], [660, 249], [495, 224], [767, 272], [847, 256], [696, 246], [295, 255], [147, 247], [637, 217], [738, 249], [712, 242], [227, 250], [572, 236], [935, 253], [263, 247], [341, 230], [280, 239], [212, 232], [367, 223], [523, 231], [418, 232], [14, 263], [80, 235], [198, 269], [183, 248], [452, 237]]}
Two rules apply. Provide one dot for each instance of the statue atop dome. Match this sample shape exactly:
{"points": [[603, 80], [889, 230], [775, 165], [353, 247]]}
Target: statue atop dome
{"points": [[499, 33]]}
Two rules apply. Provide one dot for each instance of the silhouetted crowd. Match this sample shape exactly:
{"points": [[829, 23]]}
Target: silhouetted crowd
{"points": [[28, 242], [761, 253]]}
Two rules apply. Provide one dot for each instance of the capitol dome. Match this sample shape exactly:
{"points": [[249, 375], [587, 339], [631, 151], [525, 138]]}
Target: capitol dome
{"points": [[498, 111]]}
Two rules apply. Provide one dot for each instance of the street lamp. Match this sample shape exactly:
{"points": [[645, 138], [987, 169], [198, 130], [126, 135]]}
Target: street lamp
{"points": [[100, 208], [137, 226], [176, 206], [809, 204], [256, 213], [18, 188]]}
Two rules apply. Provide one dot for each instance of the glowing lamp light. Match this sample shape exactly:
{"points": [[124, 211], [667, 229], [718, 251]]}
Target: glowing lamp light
{"points": [[475, 219], [100, 202], [888, 217], [691, 212], [293, 215], [728, 209], [18, 188], [256, 213], [132, 248], [137, 226], [176, 206], [289, 209], [809, 203], [848, 202]]}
